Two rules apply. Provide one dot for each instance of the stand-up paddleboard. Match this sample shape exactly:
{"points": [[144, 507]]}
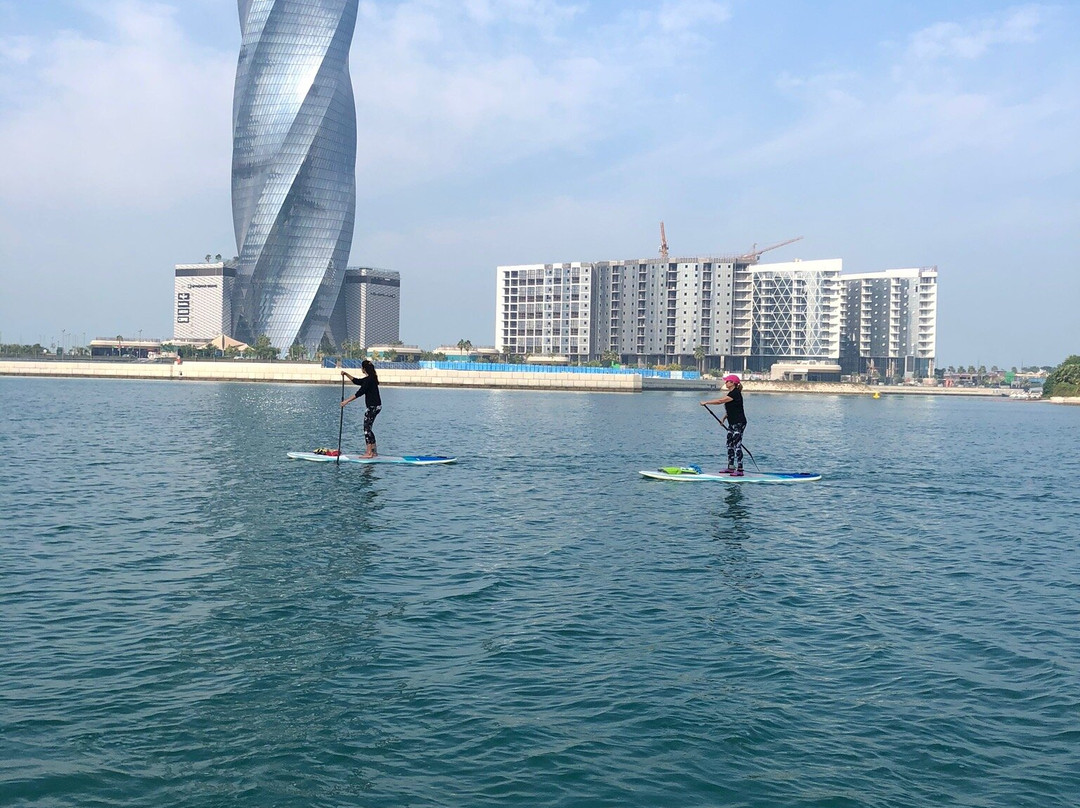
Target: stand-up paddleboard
{"points": [[693, 474], [407, 460]]}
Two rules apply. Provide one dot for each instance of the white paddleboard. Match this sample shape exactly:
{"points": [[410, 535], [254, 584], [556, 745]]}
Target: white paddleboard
{"points": [[407, 460], [691, 475]]}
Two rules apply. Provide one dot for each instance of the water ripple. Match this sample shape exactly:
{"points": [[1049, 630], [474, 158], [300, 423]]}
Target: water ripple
{"points": [[188, 618]]}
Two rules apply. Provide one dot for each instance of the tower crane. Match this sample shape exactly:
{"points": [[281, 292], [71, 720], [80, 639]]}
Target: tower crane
{"points": [[754, 254], [663, 242]]}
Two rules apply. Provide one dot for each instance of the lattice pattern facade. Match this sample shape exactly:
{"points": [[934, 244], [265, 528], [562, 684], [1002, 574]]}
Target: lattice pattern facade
{"points": [[795, 311]]}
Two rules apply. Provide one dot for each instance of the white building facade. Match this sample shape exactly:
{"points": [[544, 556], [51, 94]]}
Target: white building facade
{"points": [[202, 301], [728, 312], [545, 310], [795, 311], [725, 312], [890, 323]]}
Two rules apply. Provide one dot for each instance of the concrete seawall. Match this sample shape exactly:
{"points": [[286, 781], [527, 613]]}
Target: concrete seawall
{"points": [[311, 373]]}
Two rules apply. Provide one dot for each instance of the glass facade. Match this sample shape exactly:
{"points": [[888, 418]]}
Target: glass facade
{"points": [[294, 167]]}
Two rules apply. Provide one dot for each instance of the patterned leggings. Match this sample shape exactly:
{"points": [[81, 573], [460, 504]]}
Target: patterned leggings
{"points": [[369, 420], [734, 445]]}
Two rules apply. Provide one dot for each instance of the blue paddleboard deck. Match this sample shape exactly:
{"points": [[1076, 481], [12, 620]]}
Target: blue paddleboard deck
{"points": [[407, 460], [690, 474]]}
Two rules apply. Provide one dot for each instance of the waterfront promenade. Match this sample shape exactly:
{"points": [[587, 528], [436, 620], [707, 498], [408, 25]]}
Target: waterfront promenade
{"points": [[315, 373], [525, 379]]}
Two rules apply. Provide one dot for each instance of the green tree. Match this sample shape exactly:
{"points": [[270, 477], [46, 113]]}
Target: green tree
{"points": [[464, 344], [358, 351], [297, 351], [326, 347], [699, 355], [262, 349], [1064, 380]]}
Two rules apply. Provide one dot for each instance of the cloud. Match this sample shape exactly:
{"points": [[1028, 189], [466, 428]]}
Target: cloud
{"points": [[974, 39], [16, 49], [140, 111], [686, 15], [437, 94], [919, 109], [543, 15]]}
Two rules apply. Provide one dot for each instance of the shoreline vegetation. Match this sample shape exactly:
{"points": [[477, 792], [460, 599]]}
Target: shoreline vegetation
{"points": [[314, 373]]}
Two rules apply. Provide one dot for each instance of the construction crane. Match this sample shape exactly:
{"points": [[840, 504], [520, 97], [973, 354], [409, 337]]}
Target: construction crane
{"points": [[754, 254], [663, 242]]}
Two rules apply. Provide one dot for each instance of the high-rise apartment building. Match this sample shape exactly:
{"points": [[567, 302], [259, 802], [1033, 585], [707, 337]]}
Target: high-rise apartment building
{"points": [[890, 322], [202, 301], [368, 310], [294, 167], [730, 311], [795, 312], [545, 310]]}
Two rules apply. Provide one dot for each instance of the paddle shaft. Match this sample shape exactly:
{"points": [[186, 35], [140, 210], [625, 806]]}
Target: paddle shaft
{"points": [[341, 420], [726, 427]]}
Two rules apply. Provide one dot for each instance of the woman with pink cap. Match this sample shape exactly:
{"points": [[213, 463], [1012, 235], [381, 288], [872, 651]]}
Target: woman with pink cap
{"points": [[736, 422]]}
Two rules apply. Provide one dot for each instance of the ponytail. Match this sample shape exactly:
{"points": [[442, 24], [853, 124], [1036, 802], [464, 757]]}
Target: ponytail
{"points": [[369, 369]]}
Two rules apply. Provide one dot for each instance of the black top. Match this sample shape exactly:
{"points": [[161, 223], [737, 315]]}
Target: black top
{"points": [[733, 409], [369, 388]]}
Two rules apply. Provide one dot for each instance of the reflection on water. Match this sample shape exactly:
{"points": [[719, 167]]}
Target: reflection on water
{"points": [[736, 508]]}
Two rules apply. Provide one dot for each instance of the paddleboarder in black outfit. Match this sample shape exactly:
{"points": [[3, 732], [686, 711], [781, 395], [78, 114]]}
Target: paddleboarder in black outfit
{"points": [[736, 422], [369, 388]]}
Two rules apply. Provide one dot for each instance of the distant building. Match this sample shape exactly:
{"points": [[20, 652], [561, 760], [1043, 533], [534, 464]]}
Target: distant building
{"points": [[368, 309], [889, 323], [202, 301], [545, 309], [293, 168], [455, 354], [121, 347], [795, 312], [395, 353], [730, 311]]}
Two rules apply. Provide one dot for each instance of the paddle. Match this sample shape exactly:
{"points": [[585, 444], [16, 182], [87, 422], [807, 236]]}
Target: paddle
{"points": [[341, 420], [728, 429]]}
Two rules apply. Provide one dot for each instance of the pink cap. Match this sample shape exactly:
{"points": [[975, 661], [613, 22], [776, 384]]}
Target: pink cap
{"points": [[731, 377]]}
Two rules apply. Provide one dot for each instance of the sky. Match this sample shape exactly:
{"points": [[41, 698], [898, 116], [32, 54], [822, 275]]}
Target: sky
{"points": [[886, 134]]}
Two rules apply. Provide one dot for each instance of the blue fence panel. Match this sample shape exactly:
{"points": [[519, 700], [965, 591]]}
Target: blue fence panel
{"points": [[354, 364], [331, 362]]}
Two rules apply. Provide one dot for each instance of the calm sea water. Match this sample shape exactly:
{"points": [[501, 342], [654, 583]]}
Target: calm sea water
{"points": [[188, 618]]}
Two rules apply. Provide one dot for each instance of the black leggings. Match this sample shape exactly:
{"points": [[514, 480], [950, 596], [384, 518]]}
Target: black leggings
{"points": [[734, 445], [369, 420]]}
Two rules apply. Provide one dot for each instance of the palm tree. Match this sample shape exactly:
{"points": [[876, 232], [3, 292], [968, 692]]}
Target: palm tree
{"points": [[699, 355]]}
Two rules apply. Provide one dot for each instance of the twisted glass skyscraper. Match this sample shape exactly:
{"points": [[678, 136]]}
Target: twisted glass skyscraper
{"points": [[294, 167]]}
